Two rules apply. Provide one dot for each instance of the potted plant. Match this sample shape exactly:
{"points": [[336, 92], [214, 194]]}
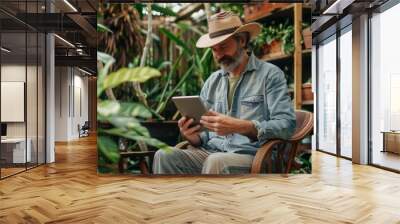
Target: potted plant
{"points": [[275, 39], [260, 45], [287, 37], [307, 37], [306, 91]]}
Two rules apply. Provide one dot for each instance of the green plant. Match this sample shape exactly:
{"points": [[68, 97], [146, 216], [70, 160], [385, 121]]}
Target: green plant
{"points": [[184, 76], [304, 159], [125, 40], [120, 119], [236, 8], [282, 32], [287, 38]]}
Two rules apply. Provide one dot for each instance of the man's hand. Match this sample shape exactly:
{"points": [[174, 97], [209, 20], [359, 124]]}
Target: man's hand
{"points": [[191, 134], [225, 125]]}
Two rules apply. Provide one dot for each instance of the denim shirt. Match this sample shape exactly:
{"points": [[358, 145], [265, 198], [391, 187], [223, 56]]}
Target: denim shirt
{"points": [[261, 96]]}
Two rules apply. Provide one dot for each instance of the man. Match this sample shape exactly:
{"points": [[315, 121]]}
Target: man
{"points": [[249, 104]]}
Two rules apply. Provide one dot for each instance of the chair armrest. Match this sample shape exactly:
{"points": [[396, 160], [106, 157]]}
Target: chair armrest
{"points": [[262, 154], [182, 145]]}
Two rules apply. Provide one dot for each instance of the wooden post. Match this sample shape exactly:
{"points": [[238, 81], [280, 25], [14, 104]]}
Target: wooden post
{"points": [[298, 19]]}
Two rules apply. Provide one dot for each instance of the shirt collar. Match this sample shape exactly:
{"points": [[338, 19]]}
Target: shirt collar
{"points": [[251, 65]]}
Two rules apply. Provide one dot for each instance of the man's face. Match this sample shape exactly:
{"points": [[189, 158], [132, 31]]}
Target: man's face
{"points": [[228, 54]]}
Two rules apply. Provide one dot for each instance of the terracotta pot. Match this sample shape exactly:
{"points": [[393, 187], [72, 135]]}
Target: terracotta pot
{"points": [[266, 49], [275, 47], [306, 92], [307, 37]]}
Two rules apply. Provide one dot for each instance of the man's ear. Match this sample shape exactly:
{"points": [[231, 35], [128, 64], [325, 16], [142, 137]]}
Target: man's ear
{"points": [[243, 41]]}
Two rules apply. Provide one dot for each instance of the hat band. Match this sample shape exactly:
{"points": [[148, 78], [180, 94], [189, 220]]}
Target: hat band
{"points": [[223, 32]]}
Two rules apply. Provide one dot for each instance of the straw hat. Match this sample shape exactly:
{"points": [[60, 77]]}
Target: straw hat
{"points": [[223, 25]]}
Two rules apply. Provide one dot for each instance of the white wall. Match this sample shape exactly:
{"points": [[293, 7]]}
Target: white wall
{"points": [[61, 103], [16, 73], [71, 94], [34, 125]]}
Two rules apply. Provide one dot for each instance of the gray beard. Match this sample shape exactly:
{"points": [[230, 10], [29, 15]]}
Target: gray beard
{"points": [[230, 67]]}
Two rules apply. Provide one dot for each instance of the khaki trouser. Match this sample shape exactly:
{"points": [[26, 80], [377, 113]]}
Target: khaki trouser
{"points": [[199, 161]]}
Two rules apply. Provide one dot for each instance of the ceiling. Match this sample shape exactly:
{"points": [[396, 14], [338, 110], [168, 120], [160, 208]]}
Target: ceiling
{"points": [[74, 22]]}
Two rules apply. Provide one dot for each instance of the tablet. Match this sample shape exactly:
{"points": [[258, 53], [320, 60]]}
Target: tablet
{"points": [[191, 107]]}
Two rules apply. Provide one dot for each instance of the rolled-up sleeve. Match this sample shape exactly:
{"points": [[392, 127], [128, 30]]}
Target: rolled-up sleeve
{"points": [[204, 135], [282, 122]]}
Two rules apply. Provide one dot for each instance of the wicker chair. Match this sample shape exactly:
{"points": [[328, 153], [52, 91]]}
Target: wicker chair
{"points": [[304, 126]]}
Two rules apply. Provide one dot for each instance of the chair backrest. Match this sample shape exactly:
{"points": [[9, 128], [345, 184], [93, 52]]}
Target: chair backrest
{"points": [[304, 125], [86, 125]]}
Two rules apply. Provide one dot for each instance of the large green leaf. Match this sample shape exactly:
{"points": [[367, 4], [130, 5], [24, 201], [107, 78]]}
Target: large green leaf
{"points": [[134, 110], [165, 11], [108, 148], [129, 123], [163, 65], [107, 60], [135, 136], [162, 103], [104, 58], [175, 39], [103, 28], [153, 35], [107, 108], [185, 26], [140, 74]]}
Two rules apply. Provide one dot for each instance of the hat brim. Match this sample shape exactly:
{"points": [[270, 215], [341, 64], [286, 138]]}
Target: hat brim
{"points": [[205, 41]]}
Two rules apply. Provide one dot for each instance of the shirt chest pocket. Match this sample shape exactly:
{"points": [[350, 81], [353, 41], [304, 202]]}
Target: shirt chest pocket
{"points": [[252, 107]]}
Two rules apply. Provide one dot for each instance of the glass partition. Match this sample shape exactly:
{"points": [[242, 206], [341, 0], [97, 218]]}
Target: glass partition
{"points": [[346, 92], [15, 151], [22, 77], [385, 89], [326, 60]]}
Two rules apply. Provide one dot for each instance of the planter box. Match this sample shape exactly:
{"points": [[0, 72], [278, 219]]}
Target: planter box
{"points": [[307, 37], [306, 93], [255, 11], [165, 131]]}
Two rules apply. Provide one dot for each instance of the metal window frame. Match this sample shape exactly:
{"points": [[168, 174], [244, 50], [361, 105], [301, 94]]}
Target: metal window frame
{"points": [[44, 75], [338, 29]]}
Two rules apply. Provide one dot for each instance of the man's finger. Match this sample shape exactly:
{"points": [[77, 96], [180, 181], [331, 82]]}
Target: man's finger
{"points": [[208, 125], [181, 121], [209, 118], [212, 113], [192, 130], [187, 123], [205, 123]]}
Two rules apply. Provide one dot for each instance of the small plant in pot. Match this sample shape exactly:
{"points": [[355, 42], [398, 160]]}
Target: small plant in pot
{"points": [[275, 39], [306, 92], [307, 36]]}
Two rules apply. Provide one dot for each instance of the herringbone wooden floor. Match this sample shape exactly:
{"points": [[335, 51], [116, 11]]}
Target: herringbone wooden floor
{"points": [[70, 191]]}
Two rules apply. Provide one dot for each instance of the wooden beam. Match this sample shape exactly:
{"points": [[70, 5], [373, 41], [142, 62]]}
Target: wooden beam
{"points": [[298, 62], [188, 10]]}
